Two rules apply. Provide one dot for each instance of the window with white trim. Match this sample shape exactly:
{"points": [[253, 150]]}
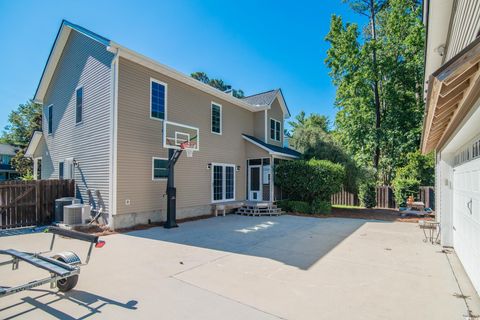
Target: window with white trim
{"points": [[61, 170], [50, 119], [275, 129], [223, 182], [216, 117], [159, 168], [79, 105], [158, 99]]}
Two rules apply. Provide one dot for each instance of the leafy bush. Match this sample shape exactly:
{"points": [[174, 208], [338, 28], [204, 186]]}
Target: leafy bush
{"points": [[285, 205], [405, 187], [309, 180], [367, 193], [321, 207], [299, 206], [311, 138]]}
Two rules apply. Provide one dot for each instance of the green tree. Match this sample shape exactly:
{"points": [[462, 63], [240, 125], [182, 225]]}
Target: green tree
{"points": [[217, 83], [379, 83], [23, 121], [418, 171], [313, 120]]}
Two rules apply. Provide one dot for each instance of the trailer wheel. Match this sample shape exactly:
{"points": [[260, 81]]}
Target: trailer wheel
{"points": [[69, 283]]}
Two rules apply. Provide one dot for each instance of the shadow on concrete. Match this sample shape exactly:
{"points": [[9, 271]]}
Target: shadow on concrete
{"points": [[295, 241], [92, 303]]}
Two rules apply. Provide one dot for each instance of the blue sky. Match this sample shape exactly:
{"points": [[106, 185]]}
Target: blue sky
{"points": [[252, 45]]}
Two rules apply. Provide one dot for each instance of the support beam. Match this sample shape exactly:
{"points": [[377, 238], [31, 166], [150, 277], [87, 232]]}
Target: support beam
{"points": [[173, 155]]}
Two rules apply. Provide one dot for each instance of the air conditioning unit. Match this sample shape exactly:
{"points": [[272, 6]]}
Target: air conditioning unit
{"points": [[72, 214]]}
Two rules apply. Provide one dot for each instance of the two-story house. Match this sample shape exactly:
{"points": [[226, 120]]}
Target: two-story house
{"points": [[7, 152], [105, 110]]}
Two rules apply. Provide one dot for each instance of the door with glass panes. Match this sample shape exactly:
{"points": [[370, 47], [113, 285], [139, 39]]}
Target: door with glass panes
{"points": [[223, 182]]}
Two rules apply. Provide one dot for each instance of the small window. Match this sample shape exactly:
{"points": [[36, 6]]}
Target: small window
{"points": [[158, 99], [50, 119], [216, 118], [60, 170], [79, 105], [160, 168], [275, 129]]}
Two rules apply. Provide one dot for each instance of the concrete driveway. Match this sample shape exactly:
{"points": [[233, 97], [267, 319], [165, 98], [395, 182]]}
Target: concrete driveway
{"points": [[252, 268]]}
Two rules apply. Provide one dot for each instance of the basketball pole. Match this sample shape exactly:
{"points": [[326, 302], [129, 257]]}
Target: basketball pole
{"points": [[171, 222]]}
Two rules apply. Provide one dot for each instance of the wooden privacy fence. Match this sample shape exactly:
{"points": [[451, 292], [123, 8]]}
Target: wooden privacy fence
{"points": [[27, 203], [385, 198], [345, 198]]}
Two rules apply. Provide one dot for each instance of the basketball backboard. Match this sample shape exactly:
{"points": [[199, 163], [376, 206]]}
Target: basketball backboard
{"points": [[180, 136]]}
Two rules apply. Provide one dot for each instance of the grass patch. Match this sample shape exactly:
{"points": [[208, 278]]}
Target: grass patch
{"points": [[340, 206]]}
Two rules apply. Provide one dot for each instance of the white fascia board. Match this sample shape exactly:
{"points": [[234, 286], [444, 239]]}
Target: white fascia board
{"points": [[170, 72], [283, 105], [270, 152], [52, 64], [33, 144]]}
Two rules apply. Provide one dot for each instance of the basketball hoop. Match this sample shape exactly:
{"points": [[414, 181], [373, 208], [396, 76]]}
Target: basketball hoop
{"points": [[188, 147]]}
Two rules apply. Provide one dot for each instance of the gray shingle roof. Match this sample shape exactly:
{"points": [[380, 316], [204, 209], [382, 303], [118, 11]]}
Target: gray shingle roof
{"points": [[261, 99], [274, 148], [8, 149]]}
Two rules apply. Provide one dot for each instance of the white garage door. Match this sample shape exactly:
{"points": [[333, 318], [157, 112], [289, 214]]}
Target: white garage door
{"points": [[466, 218]]}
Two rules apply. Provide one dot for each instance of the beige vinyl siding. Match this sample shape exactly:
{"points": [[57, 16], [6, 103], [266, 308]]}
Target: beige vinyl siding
{"points": [[259, 125], [87, 63], [140, 139], [254, 152], [276, 113], [465, 26]]}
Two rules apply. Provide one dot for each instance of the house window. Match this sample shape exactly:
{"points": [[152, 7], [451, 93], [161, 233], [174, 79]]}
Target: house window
{"points": [[61, 169], [216, 118], [37, 168], [158, 99], [79, 105], [5, 159], [223, 182], [50, 119], [159, 168], [275, 129]]}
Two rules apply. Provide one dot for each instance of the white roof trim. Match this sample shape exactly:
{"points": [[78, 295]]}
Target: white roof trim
{"points": [[52, 62], [273, 153], [61, 40], [172, 73], [33, 144], [283, 105]]}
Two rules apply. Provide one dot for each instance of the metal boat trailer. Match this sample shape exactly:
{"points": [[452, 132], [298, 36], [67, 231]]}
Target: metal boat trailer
{"points": [[64, 267]]}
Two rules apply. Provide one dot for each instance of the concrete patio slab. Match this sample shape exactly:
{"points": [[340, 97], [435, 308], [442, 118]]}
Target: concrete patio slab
{"points": [[252, 268]]}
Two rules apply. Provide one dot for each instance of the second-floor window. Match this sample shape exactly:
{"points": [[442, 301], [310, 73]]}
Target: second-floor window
{"points": [[158, 99], [50, 119], [275, 129], [79, 105], [216, 118]]}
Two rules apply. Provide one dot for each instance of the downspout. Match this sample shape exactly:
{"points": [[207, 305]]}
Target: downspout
{"points": [[113, 135]]}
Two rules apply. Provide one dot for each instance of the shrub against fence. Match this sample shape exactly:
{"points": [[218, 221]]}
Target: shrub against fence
{"points": [[385, 197], [27, 203]]}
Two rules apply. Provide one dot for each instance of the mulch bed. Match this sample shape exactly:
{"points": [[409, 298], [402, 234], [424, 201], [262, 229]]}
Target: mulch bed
{"points": [[368, 214]]}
